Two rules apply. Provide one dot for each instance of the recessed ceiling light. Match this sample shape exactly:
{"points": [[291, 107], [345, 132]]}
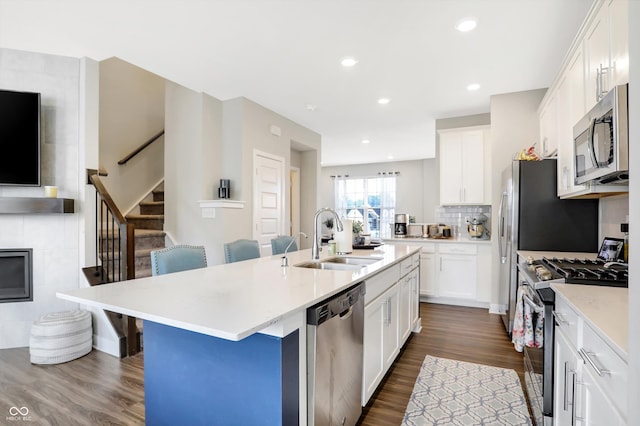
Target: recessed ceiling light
{"points": [[310, 107], [384, 101], [365, 141], [389, 157], [466, 24], [348, 62], [473, 87]]}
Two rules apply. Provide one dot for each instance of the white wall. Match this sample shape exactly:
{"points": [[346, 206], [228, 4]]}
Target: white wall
{"points": [[207, 140], [55, 238], [634, 213], [514, 126], [192, 166], [131, 112]]}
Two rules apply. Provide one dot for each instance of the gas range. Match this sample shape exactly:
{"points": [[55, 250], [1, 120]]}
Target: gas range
{"points": [[541, 273]]}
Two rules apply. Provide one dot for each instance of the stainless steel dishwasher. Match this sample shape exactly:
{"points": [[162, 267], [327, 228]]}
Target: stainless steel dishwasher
{"points": [[335, 330]]}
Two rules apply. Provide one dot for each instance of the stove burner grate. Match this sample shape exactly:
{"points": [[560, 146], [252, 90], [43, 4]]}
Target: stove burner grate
{"points": [[587, 271]]}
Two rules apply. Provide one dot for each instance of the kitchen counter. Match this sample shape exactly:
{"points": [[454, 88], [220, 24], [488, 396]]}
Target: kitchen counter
{"points": [[606, 309], [229, 341], [412, 240], [232, 301]]}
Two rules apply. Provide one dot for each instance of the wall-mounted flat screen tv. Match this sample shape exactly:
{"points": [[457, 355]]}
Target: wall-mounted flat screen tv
{"points": [[19, 138]]}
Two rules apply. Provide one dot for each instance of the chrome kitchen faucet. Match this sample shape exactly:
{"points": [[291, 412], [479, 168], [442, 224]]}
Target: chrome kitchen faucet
{"points": [[316, 248]]}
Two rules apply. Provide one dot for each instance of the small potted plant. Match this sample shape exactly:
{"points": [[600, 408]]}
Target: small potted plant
{"points": [[329, 224], [358, 227]]}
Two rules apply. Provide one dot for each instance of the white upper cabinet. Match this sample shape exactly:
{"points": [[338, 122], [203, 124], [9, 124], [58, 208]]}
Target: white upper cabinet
{"points": [[548, 144], [596, 44], [463, 166], [607, 50], [619, 27], [571, 108], [597, 61]]}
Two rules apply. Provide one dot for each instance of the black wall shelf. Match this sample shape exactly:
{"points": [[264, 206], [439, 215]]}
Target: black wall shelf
{"points": [[32, 205]]}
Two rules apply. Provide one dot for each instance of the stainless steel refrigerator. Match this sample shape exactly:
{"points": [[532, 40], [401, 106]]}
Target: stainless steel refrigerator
{"points": [[532, 217]]}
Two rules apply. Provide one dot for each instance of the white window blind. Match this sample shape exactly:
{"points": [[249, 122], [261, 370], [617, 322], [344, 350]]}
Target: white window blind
{"points": [[369, 200]]}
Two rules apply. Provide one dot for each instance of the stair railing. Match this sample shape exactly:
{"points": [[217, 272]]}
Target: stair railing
{"points": [[115, 250], [140, 148]]}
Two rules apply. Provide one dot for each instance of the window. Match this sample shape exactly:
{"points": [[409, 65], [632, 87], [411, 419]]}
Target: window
{"points": [[369, 200]]}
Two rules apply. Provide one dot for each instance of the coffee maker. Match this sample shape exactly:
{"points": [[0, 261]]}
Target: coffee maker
{"points": [[400, 225]]}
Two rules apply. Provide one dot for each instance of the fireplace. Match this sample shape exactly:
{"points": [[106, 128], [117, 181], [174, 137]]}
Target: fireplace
{"points": [[16, 275]]}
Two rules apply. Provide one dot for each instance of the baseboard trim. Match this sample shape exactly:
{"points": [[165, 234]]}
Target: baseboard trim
{"points": [[455, 302]]}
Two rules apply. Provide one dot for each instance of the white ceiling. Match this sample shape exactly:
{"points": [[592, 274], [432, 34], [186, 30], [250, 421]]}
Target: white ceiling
{"points": [[285, 54]]}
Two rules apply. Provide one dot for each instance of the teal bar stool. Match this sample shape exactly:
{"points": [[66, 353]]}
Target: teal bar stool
{"points": [[239, 250], [279, 244], [177, 258]]}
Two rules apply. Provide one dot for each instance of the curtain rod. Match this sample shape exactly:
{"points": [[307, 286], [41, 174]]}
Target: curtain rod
{"points": [[393, 173]]}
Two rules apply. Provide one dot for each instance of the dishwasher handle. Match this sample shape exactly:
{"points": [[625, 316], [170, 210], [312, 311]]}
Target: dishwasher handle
{"points": [[339, 304]]}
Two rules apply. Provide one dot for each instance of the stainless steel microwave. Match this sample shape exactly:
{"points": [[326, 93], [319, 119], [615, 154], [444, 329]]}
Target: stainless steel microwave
{"points": [[601, 141]]}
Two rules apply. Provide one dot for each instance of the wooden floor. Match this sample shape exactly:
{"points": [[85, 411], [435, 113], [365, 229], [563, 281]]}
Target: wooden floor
{"points": [[454, 332], [100, 389]]}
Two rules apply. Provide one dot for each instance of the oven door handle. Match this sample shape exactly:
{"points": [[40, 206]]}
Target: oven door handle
{"points": [[559, 320], [534, 305]]}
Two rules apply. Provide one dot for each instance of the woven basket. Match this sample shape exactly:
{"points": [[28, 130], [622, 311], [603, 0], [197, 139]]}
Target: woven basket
{"points": [[60, 337]]}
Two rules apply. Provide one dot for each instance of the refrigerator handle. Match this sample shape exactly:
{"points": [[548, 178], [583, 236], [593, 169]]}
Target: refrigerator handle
{"points": [[501, 229]]}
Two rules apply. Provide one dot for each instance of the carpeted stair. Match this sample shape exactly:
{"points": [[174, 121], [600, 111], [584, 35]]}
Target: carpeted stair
{"points": [[148, 232]]}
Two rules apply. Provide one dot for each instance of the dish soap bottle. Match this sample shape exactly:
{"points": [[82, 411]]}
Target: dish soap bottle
{"points": [[624, 228]]}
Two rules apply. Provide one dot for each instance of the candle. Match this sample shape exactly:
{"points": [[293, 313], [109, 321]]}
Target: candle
{"points": [[51, 191]]}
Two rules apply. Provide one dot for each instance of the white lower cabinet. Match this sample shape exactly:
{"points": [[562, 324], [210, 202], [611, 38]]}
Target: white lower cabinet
{"points": [[590, 380], [373, 359], [595, 408], [457, 275], [427, 274], [567, 362], [381, 327], [389, 318], [409, 303], [578, 398]]}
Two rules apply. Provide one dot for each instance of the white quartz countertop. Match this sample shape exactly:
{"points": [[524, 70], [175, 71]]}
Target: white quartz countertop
{"points": [[536, 255], [236, 300], [606, 309], [413, 240]]}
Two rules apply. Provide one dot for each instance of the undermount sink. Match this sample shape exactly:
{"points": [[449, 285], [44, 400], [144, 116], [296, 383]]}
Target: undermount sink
{"points": [[329, 266], [340, 263], [352, 260]]}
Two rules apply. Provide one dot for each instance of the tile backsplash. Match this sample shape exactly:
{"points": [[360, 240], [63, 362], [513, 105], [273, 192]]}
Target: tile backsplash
{"points": [[456, 217]]}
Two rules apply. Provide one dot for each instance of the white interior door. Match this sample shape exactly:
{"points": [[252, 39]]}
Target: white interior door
{"points": [[294, 196], [268, 188]]}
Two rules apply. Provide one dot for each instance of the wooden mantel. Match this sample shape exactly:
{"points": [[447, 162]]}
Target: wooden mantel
{"points": [[36, 205]]}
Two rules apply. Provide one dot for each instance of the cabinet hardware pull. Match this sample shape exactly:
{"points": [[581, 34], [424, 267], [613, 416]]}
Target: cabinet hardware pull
{"points": [[503, 252], [587, 357], [385, 311], [559, 319], [598, 83], [389, 311], [565, 400], [573, 398]]}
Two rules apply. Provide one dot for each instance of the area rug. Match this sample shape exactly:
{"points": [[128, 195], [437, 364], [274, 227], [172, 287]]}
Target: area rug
{"points": [[449, 392]]}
